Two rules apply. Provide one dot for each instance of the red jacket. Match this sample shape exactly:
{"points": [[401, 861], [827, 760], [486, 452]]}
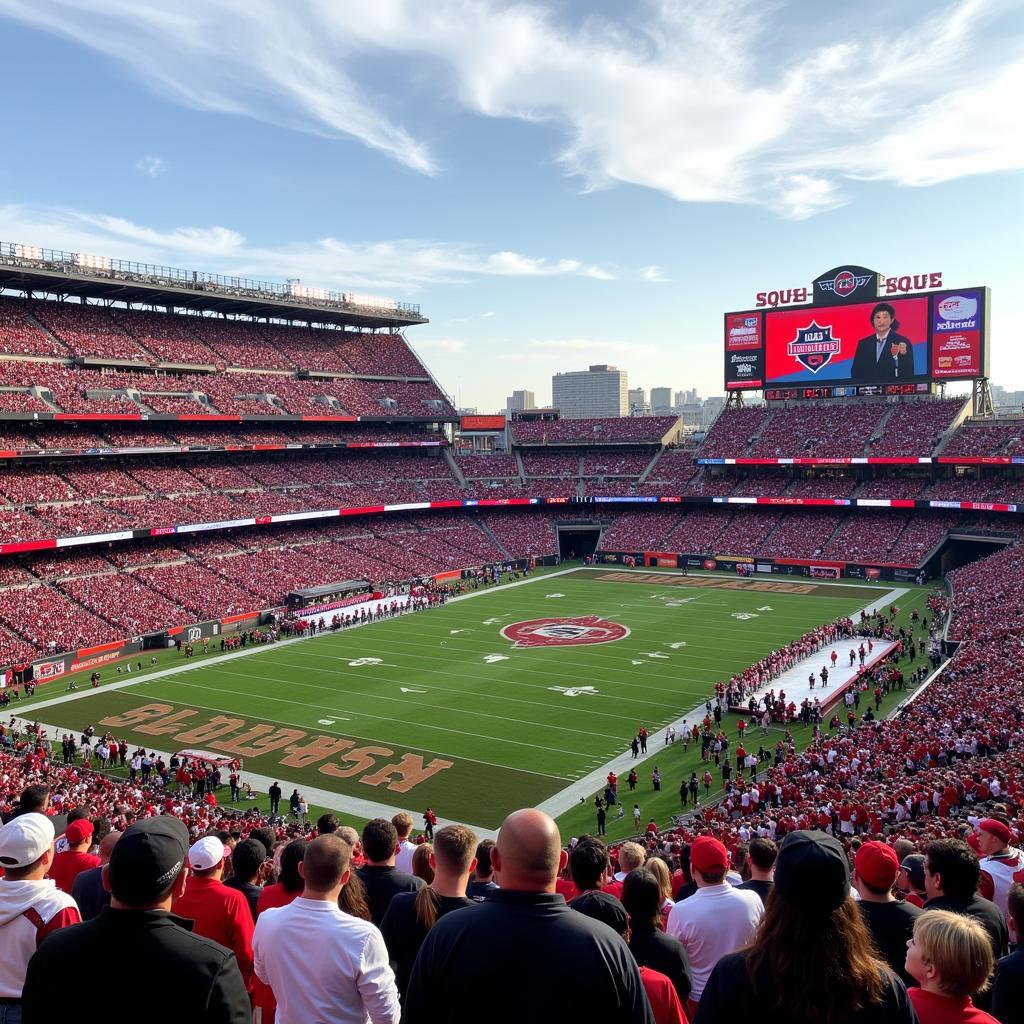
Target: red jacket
{"points": [[221, 914]]}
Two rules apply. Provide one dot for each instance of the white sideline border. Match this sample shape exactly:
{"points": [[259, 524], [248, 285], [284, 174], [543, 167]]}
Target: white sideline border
{"points": [[556, 805]]}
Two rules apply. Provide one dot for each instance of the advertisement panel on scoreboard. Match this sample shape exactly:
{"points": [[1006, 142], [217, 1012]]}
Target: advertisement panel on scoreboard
{"points": [[958, 334], [744, 350], [860, 343]]}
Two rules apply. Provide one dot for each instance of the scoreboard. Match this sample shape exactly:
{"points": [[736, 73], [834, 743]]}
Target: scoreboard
{"points": [[850, 340]]}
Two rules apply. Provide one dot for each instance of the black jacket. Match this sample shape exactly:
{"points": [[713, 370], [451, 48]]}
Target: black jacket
{"points": [[383, 883], [663, 953], [729, 997], [986, 912], [1008, 989], [147, 959], [867, 369], [891, 925], [522, 956]]}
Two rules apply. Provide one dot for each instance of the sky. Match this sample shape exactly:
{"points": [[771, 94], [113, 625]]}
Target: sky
{"points": [[555, 184]]}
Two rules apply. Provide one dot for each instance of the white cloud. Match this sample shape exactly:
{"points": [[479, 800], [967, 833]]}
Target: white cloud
{"points": [[450, 346], [652, 273], [732, 102], [151, 165], [399, 265]]}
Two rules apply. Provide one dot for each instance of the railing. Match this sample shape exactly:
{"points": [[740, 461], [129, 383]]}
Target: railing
{"points": [[15, 254]]}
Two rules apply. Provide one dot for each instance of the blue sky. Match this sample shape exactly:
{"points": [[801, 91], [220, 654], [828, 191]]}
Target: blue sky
{"points": [[556, 184]]}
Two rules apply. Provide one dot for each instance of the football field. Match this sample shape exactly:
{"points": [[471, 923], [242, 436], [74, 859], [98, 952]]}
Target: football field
{"points": [[500, 699]]}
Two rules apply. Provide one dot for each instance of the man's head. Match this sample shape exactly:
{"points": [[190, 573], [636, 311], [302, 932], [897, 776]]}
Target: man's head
{"points": [[380, 841], [631, 856], [148, 866], [588, 863], [26, 847], [876, 868], [34, 799], [403, 825], [79, 835], [911, 877], [762, 853], [484, 868], [709, 861], [327, 824], [325, 867], [351, 836], [994, 836], [107, 845], [528, 854], [453, 852], [1015, 907], [247, 858], [206, 857], [951, 869], [882, 317]]}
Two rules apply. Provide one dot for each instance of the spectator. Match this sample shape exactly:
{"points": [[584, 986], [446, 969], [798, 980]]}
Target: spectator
{"points": [[662, 996], [321, 963], [950, 956], [403, 826], [951, 874], [410, 916], [631, 857], [67, 866], [31, 906], [1008, 988], [811, 959], [482, 880], [1000, 861], [479, 957], [88, 890], [247, 860], [421, 864], [641, 896], [381, 879], [911, 878], [761, 857], [717, 919], [118, 951], [889, 920], [327, 824], [219, 913]]}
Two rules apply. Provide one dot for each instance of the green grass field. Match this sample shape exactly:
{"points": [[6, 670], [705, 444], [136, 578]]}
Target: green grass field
{"points": [[439, 708]]}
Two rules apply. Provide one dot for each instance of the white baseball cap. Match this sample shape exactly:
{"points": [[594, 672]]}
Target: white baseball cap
{"points": [[24, 839], [207, 853]]}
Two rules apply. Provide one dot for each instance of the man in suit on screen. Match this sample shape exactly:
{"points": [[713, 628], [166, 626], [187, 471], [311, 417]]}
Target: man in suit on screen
{"points": [[883, 355]]}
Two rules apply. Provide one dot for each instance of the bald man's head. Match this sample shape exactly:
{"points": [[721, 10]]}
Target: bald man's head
{"points": [[107, 846], [529, 853]]}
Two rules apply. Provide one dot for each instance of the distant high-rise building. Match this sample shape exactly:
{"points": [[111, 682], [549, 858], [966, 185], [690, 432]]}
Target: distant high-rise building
{"points": [[598, 391], [520, 400], [678, 399], [637, 402], [661, 401]]}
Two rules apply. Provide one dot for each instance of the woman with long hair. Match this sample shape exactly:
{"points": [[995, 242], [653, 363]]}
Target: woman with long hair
{"points": [[411, 915], [811, 959]]}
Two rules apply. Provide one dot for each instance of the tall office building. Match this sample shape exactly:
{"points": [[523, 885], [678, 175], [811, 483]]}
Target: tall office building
{"points": [[597, 391], [661, 401], [637, 402], [520, 400]]}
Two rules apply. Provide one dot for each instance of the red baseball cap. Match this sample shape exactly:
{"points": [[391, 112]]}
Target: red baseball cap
{"points": [[877, 864], [995, 827], [78, 831], [708, 855]]}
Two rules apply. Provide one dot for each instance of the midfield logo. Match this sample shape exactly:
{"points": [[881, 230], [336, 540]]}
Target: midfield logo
{"points": [[564, 632], [814, 346]]}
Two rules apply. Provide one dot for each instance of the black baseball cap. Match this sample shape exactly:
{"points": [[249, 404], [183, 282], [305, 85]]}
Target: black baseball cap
{"points": [[148, 857], [812, 872], [604, 907]]}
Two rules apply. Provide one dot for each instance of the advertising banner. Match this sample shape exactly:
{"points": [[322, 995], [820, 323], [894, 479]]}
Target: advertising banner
{"points": [[744, 351], [958, 334]]}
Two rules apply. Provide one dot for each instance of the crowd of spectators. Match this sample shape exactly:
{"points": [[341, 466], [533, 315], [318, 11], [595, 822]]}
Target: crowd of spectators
{"points": [[914, 428], [987, 439], [638, 429]]}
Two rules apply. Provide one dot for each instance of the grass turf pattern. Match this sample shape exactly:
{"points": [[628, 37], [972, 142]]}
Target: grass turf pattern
{"points": [[439, 708]]}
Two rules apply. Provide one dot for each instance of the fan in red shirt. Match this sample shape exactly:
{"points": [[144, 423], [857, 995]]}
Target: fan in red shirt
{"points": [[68, 865], [218, 913]]}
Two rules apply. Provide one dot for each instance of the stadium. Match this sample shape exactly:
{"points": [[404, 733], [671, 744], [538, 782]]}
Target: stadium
{"points": [[190, 461]]}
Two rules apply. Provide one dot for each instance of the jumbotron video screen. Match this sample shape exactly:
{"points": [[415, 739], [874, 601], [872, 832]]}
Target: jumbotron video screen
{"points": [[866, 338]]}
